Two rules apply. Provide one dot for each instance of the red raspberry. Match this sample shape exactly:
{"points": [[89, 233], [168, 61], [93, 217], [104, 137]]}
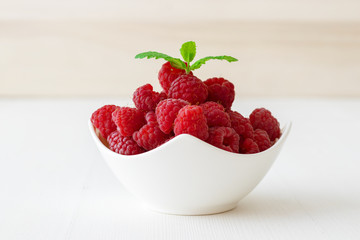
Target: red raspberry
{"points": [[221, 91], [166, 112], [262, 139], [191, 120], [102, 120], [241, 125], [188, 88], [123, 145], [128, 120], [162, 95], [146, 99], [168, 74], [215, 114], [225, 138], [249, 146], [151, 118], [261, 118], [150, 136]]}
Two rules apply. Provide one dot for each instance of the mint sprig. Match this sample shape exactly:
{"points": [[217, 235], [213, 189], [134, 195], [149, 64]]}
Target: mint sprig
{"points": [[175, 62], [188, 52], [202, 61]]}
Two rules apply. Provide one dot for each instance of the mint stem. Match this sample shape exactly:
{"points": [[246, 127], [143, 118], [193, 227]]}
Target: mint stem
{"points": [[187, 67]]}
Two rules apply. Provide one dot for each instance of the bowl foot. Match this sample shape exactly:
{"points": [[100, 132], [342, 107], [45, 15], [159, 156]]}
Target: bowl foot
{"points": [[192, 211]]}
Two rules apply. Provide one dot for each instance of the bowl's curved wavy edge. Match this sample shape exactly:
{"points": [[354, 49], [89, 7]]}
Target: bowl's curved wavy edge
{"points": [[245, 170], [284, 134]]}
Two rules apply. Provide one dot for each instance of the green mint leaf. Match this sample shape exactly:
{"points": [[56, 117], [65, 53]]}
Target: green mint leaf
{"points": [[188, 51], [175, 62], [202, 61], [152, 54]]}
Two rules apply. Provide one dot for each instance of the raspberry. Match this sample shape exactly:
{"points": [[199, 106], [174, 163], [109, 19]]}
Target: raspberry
{"points": [[188, 88], [123, 145], [146, 99], [215, 114], [241, 125], [248, 146], [150, 136], [262, 139], [261, 118], [166, 112], [162, 95], [102, 120], [151, 118], [191, 120], [168, 74], [225, 138], [128, 120], [221, 91]]}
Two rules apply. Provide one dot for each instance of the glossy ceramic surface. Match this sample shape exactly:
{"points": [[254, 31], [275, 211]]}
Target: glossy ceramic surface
{"points": [[187, 176]]}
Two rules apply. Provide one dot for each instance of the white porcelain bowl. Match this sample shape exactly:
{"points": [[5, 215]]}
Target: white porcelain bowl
{"points": [[187, 176]]}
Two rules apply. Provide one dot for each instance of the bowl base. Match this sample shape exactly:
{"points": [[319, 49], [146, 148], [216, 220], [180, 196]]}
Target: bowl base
{"points": [[192, 212]]}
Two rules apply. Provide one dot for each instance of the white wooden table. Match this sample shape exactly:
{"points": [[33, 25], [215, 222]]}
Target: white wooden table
{"points": [[55, 185]]}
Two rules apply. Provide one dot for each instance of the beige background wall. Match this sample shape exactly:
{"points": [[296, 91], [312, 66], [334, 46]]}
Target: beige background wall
{"points": [[87, 48]]}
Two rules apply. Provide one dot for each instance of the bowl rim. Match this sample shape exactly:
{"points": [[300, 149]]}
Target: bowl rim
{"points": [[284, 133]]}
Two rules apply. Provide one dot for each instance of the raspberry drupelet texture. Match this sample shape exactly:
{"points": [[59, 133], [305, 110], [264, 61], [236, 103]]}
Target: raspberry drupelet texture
{"points": [[191, 120], [102, 120], [168, 74], [146, 99], [188, 88], [221, 91], [225, 138], [162, 96], [262, 139], [128, 120], [249, 146], [150, 118], [166, 112], [215, 114], [123, 145], [241, 125], [150, 136], [261, 118]]}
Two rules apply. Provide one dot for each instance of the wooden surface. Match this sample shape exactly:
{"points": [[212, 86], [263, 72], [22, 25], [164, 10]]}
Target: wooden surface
{"points": [[87, 48], [96, 57], [187, 10], [55, 185]]}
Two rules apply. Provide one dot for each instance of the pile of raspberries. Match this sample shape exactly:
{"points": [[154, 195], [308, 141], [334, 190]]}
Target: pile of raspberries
{"points": [[186, 105]]}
